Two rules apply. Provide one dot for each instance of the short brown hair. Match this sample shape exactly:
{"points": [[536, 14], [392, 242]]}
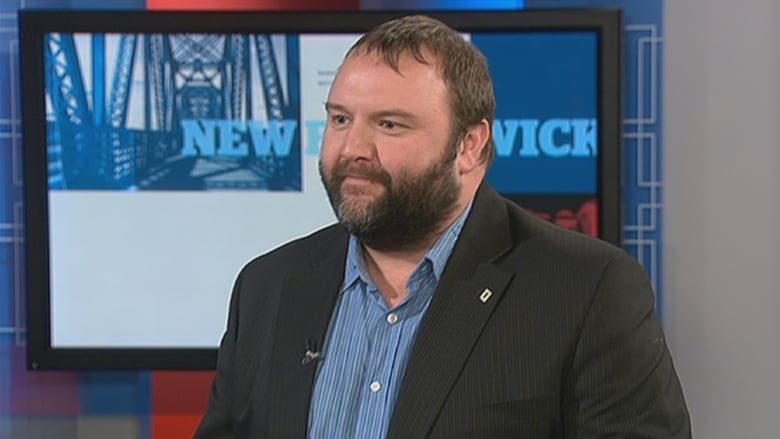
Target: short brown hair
{"points": [[463, 67]]}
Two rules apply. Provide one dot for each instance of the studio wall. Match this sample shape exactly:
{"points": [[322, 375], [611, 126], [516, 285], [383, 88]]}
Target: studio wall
{"points": [[722, 210]]}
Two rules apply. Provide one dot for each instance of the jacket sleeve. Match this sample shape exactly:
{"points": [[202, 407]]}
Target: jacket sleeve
{"points": [[622, 382]]}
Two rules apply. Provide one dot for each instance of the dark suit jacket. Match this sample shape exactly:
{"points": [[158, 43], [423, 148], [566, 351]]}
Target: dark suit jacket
{"points": [[568, 345]]}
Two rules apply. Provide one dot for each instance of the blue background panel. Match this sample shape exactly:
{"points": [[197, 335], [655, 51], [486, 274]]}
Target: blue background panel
{"points": [[114, 393], [538, 90]]}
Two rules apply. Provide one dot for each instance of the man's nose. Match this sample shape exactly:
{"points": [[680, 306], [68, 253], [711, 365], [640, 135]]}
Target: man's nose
{"points": [[360, 142]]}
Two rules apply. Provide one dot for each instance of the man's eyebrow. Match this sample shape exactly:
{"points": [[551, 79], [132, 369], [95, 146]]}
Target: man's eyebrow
{"points": [[330, 106], [394, 112], [390, 112]]}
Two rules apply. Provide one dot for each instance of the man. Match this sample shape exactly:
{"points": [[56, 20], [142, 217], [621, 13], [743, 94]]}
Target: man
{"points": [[436, 308]]}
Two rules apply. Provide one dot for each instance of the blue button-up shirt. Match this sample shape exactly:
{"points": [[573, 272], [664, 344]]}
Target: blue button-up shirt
{"points": [[368, 345]]}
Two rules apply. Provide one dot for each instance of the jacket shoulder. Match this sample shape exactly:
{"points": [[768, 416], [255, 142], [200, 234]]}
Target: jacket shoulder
{"points": [[304, 251], [555, 243]]}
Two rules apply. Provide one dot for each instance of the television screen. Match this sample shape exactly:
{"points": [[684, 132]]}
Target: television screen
{"points": [[163, 150]]}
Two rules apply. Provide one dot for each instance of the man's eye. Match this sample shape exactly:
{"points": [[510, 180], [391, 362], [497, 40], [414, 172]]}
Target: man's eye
{"points": [[389, 124], [339, 119]]}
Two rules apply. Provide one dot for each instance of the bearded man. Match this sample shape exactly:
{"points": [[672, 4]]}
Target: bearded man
{"points": [[436, 308]]}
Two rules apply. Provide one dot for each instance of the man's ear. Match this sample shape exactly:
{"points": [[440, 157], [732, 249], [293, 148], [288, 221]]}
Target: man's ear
{"points": [[473, 142]]}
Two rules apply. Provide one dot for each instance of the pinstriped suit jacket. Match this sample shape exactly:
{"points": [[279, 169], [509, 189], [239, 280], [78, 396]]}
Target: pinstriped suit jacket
{"points": [[567, 346]]}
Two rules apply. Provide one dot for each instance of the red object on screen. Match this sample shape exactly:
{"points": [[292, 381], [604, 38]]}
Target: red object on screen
{"points": [[248, 5], [566, 219], [588, 218], [584, 220]]}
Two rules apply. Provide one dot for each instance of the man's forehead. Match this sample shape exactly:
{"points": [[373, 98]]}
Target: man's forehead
{"points": [[393, 59]]}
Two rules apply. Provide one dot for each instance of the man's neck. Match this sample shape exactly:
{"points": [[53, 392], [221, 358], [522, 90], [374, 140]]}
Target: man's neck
{"points": [[390, 269]]}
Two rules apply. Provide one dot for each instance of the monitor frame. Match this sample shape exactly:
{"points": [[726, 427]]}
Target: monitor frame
{"points": [[34, 24]]}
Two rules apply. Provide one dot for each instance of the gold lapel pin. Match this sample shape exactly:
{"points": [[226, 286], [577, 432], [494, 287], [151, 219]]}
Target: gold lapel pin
{"points": [[485, 296]]}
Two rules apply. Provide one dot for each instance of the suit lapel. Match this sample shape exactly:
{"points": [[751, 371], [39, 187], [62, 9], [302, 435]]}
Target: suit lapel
{"points": [[304, 313], [467, 293]]}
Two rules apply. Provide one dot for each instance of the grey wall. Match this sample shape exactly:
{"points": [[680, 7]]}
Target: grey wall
{"points": [[722, 212]]}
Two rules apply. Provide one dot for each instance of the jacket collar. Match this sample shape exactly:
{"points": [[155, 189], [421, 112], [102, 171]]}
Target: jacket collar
{"points": [[469, 290]]}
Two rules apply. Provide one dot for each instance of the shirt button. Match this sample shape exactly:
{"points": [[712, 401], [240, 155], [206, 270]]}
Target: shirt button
{"points": [[392, 318], [375, 386]]}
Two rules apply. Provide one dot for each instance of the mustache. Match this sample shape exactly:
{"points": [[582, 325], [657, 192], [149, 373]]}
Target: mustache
{"points": [[344, 169]]}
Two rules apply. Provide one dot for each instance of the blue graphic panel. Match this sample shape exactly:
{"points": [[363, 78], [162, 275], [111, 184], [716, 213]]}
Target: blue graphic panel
{"points": [[546, 130], [172, 112], [7, 190], [6, 283], [102, 4]]}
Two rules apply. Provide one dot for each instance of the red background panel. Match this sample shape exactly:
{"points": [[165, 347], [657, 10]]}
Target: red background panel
{"points": [[178, 402], [174, 426], [176, 393], [313, 5]]}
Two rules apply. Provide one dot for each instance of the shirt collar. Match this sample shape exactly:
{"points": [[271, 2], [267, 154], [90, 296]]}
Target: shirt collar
{"points": [[437, 255]]}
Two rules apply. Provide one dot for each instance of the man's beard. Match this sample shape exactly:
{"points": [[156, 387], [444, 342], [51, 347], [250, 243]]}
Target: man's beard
{"points": [[410, 211]]}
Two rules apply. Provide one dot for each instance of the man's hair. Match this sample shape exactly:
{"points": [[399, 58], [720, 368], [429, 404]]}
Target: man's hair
{"points": [[463, 67]]}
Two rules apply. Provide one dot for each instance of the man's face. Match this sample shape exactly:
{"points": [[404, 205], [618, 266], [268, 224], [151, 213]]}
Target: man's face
{"points": [[387, 152]]}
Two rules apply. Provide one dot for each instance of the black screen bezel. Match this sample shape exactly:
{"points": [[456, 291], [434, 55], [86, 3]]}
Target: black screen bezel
{"points": [[35, 24]]}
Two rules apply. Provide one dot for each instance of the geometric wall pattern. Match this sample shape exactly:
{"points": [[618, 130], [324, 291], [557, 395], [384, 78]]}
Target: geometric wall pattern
{"points": [[642, 128], [641, 132], [135, 405]]}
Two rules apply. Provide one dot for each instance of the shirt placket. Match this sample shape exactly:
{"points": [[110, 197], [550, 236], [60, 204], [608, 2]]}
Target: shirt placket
{"points": [[384, 330]]}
